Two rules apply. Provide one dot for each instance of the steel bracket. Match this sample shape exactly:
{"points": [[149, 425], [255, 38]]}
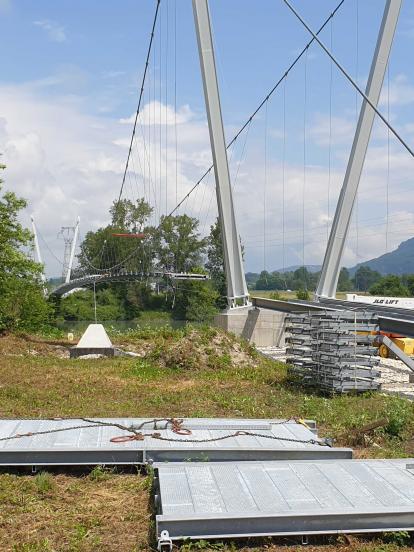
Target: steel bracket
{"points": [[164, 542]]}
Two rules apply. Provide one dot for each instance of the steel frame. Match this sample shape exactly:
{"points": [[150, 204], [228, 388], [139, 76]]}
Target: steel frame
{"points": [[237, 293], [334, 252]]}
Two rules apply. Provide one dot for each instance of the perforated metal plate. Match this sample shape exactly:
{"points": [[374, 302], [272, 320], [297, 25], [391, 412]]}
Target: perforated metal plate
{"points": [[93, 445], [284, 498]]}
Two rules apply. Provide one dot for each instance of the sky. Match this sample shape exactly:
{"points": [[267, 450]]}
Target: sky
{"points": [[69, 81]]}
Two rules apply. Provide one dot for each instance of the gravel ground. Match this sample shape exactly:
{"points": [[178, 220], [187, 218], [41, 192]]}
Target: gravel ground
{"points": [[394, 373]]}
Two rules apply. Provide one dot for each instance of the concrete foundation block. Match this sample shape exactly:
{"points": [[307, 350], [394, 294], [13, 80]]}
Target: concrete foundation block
{"points": [[263, 327], [94, 341]]}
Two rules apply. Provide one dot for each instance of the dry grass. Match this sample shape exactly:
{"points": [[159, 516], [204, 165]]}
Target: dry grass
{"points": [[200, 373], [73, 513]]}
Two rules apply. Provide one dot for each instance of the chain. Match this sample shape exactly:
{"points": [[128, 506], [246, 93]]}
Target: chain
{"points": [[238, 434], [176, 426]]}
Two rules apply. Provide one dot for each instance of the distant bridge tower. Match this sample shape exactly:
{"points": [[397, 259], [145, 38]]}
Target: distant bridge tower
{"points": [[69, 235], [37, 249]]}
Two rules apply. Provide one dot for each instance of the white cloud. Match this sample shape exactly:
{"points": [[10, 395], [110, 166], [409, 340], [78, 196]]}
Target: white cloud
{"points": [[155, 113], [54, 31], [338, 131], [401, 92], [68, 163]]}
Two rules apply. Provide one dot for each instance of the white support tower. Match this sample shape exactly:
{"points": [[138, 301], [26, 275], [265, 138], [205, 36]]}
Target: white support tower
{"points": [[237, 294], [333, 256], [37, 248], [70, 237], [72, 251]]}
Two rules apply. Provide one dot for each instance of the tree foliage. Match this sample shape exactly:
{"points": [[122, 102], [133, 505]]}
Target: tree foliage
{"points": [[344, 281], [215, 264], [22, 302], [299, 279], [389, 286], [101, 250], [365, 277], [178, 245]]}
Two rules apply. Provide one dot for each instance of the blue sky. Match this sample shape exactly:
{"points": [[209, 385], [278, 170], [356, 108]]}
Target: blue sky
{"points": [[68, 86]]}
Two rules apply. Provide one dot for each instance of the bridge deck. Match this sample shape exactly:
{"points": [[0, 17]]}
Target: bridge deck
{"points": [[92, 445], [247, 499]]}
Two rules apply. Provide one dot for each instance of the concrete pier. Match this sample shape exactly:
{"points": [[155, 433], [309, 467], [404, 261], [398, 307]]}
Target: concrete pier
{"points": [[263, 327]]}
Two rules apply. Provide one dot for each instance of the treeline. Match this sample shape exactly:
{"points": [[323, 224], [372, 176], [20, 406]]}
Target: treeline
{"points": [[364, 280]]}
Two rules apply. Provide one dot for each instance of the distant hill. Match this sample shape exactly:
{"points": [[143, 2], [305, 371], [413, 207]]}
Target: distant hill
{"points": [[309, 268], [400, 261]]}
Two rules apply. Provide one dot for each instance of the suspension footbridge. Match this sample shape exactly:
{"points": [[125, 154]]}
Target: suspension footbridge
{"points": [[147, 165]]}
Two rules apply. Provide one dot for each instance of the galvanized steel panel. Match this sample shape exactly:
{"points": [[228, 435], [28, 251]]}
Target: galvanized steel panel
{"points": [[93, 445], [242, 499]]}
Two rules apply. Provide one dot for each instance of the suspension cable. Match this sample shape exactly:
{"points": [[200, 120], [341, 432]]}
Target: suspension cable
{"points": [[305, 101], [261, 104], [139, 100], [349, 78]]}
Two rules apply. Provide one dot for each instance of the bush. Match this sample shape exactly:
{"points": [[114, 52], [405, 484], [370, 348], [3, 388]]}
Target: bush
{"points": [[303, 295]]}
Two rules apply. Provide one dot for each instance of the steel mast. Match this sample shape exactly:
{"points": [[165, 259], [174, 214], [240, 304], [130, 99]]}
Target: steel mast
{"points": [[237, 294], [334, 252]]}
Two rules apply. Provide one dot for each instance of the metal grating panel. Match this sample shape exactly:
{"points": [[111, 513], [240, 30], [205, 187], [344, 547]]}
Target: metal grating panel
{"points": [[284, 498], [93, 445]]}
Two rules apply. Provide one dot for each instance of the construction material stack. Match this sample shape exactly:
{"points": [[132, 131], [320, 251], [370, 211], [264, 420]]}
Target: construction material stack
{"points": [[334, 350]]}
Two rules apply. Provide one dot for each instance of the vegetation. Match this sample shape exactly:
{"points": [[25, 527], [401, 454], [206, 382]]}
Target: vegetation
{"points": [[191, 372], [215, 265], [22, 302], [173, 246]]}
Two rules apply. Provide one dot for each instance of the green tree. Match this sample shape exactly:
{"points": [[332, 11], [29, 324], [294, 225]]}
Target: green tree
{"points": [[215, 264], [194, 301], [101, 250], [365, 277], [128, 216], [344, 281], [389, 286], [22, 302], [178, 245], [408, 281]]}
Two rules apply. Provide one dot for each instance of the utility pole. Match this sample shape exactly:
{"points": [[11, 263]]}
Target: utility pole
{"points": [[334, 252], [237, 294], [37, 249]]}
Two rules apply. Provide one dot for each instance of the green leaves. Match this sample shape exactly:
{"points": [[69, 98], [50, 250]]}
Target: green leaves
{"points": [[22, 304]]}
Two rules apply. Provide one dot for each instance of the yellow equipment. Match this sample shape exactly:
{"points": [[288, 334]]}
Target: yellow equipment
{"points": [[406, 344]]}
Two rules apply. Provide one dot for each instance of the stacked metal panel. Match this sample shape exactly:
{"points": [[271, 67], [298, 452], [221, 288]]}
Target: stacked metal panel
{"points": [[334, 351]]}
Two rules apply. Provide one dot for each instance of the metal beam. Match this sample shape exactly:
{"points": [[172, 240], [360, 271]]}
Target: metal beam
{"points": [[233, 262], [333, 256], [72, 252]]}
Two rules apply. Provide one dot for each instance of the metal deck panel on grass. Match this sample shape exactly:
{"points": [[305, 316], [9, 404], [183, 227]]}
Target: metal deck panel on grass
{"points": [[244, 499], [93, 445]]}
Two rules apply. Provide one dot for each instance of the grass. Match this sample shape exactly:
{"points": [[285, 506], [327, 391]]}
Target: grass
{"points": [[182, 372]]}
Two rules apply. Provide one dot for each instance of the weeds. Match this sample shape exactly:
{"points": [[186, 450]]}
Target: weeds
{"points": [[100, 473], [44, 482]]}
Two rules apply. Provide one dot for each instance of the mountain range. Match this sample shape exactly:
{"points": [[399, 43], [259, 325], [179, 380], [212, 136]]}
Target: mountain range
{"points": [[400, 261]]}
